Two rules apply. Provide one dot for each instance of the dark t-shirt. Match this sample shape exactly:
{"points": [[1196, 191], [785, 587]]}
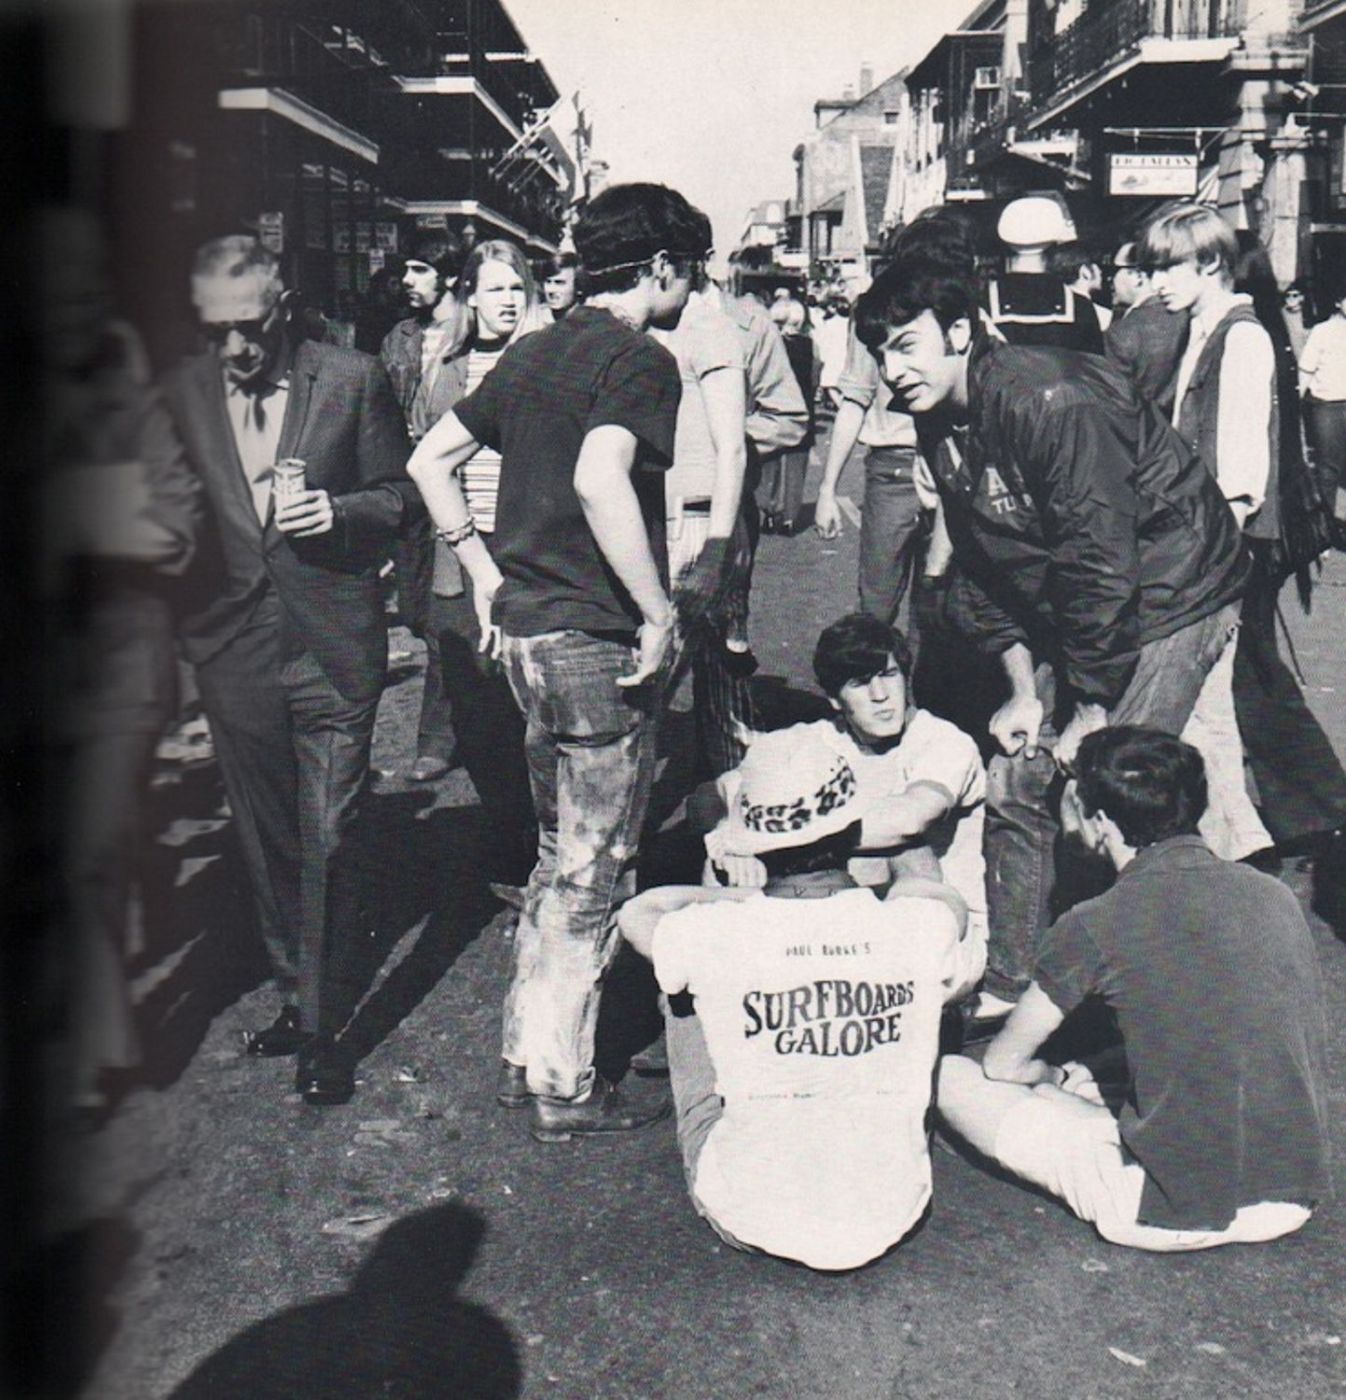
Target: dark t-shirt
{"points": [[1211, 971], [545, 394]]}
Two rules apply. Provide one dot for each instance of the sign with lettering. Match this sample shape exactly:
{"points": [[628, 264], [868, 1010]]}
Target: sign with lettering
{"points": [[1153, 174]]}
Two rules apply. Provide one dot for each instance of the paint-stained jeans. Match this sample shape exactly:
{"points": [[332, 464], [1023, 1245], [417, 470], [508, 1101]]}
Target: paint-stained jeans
{"points": [[1022, 795], [591, 752]]}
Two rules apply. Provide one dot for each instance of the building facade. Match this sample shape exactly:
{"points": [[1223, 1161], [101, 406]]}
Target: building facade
{"points": [[334, 131]]}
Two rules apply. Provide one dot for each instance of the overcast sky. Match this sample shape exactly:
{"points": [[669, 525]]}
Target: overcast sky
{"points": [[712, 96]]}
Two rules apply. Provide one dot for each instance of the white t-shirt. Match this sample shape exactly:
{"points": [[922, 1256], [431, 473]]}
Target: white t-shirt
{"points": [[704, 341], [938, 754], [821, 1017]]}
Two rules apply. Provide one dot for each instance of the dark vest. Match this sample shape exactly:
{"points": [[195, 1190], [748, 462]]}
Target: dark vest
{"points": [[1199, 417]]}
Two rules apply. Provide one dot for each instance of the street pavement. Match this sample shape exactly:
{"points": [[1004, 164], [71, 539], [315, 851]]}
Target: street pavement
{"points": [[417, 1242]]}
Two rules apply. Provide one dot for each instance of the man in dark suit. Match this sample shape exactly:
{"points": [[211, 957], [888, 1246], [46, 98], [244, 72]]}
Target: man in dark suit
{"points": [[1145, 338], [289, 639]]}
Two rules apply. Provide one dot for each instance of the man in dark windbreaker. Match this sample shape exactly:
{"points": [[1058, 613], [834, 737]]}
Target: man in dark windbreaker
{"points": [[1095, 558]]}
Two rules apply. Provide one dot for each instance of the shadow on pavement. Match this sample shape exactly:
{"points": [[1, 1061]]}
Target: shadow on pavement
{"points": [[197, 925], [427, 869], [399, 1332]]}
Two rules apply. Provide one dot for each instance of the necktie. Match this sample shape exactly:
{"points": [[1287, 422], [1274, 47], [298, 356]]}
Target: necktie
{"points": [[256, 451]]}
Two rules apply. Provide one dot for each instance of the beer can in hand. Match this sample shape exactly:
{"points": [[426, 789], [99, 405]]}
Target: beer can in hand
{"points": [[289, 476]]}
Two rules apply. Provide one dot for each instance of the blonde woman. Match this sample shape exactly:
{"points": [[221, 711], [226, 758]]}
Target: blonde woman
{"points": [[498, 303]]}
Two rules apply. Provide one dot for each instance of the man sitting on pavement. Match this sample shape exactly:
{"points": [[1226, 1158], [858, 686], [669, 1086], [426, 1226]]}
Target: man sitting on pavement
{"points": [[1210, 969], [801, 1083], [921, 778]]}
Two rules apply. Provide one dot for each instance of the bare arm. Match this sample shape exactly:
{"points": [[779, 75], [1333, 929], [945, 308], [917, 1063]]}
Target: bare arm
{"points": [[1015, 725], [608, 499], [724, 392], [638, 918], [435, 467], [904, 816], [724, 396], [1012, 1054], [845, 433]]}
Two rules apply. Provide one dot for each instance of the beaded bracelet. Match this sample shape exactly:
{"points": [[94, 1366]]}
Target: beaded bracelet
{"points": [[465, 531]]}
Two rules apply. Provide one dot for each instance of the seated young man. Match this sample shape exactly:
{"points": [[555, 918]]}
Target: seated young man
{"points": [[802, 1082], [921, 778], [1210, 969]]}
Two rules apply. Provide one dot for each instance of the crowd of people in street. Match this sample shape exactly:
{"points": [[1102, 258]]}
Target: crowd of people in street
{"points": [[1064, 754]]}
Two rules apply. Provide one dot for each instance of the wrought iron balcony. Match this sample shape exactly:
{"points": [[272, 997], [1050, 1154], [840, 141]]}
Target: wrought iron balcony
{"points": [[1111, 30]]}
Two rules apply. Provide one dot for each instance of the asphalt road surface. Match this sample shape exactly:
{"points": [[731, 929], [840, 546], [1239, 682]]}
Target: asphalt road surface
{"points": [[234, 1242]]}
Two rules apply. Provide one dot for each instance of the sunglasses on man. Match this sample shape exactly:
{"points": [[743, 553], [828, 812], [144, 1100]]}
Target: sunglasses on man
{"points": [[217, 332]]}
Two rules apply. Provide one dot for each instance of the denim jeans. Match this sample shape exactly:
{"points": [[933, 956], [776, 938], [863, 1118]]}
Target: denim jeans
{"points": [[1326, 422], [490, 734], [889, 531], [1022, 825], [591, 751]]}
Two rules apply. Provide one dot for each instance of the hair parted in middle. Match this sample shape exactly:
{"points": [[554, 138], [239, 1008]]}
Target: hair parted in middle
{"points": [[494, 250]]}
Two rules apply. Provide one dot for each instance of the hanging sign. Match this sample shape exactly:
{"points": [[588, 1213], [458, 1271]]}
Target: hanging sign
{"points": [[1152, 174]]}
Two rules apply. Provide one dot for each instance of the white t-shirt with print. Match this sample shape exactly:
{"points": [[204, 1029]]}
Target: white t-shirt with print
{"points": [[821, 1017]]}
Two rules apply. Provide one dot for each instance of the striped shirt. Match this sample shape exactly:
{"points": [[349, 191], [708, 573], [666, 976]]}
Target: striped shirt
{"points": [[481, 473]]}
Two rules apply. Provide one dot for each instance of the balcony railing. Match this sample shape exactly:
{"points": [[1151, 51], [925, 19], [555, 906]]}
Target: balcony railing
{"points": [[1111, 29]]}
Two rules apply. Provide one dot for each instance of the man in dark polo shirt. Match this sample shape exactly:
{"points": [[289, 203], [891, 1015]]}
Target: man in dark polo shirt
{"points": [[575, 594], [1211, 972]]}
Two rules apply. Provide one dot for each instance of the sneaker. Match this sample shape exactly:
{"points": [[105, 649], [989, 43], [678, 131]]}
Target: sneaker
{"points": [[602, 1110]]}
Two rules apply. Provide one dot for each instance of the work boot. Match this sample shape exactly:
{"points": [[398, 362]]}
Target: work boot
{"points": [[511, 1088], [602, 1110]]}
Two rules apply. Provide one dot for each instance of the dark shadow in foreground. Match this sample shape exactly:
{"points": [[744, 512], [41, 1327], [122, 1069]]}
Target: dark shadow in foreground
{"points": [[400, 1332], [73, 1278]]}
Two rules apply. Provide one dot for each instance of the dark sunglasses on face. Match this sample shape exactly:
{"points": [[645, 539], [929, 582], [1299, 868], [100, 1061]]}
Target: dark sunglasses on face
{"points": [[217, 332]]}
